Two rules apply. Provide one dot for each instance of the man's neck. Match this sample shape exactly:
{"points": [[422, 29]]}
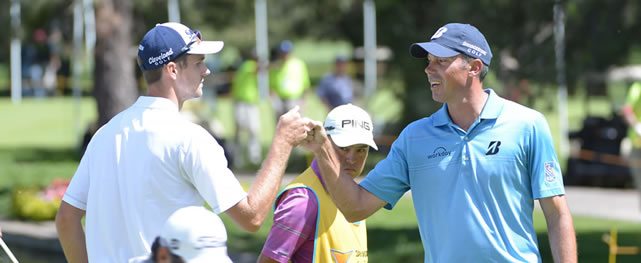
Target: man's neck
{"points": [[465, 112], [159, 90]]}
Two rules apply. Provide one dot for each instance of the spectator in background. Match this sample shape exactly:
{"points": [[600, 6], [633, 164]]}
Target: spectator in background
{"points": [[54, 61], [288, 78], [35, 57], [244, 92], [336, 88], [631, 112]]}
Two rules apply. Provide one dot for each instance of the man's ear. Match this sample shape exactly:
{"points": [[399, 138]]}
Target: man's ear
{"points": [[475, 67], [171, 69]]}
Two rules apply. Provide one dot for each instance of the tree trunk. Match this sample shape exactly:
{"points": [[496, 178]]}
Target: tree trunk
{"points": [[115, 86]]}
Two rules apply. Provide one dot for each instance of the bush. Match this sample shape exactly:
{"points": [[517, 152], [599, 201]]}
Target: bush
{"points": [[30, 203]]}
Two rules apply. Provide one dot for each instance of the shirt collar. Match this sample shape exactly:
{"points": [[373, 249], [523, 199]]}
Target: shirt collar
{"points": [[493, 105], [156, 103], [491, 110]]}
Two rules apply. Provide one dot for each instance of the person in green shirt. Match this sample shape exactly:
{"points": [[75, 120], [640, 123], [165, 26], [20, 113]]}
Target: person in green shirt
{"points": [[631, 112], [244, 92], [288, 78]]}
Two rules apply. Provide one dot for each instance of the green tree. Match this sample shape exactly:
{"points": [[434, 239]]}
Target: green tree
{"points": [[598, 35]]}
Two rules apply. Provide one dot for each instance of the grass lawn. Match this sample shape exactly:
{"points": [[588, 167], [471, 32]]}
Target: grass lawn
{"points": [[39, 140]]}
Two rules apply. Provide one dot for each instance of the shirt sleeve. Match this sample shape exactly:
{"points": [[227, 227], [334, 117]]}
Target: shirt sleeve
{"points": [[205, 166], [389, 180], [295, 220], [78, 189], [545, 172]]}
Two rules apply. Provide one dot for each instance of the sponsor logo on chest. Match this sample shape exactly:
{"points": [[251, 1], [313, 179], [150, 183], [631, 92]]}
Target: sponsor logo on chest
{"points": [[439, 152]]}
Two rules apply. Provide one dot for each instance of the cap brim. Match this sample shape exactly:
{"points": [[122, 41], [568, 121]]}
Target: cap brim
{"points": [[346, 141], [206, 47], [420, 50]]}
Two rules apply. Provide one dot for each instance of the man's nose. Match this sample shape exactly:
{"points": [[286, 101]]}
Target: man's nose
{"points": [[428, 68], [350, 157]]}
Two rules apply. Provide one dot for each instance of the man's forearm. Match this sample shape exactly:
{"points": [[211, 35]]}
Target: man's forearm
{"points": [[71, 234], [268, 180], [562, 238]]}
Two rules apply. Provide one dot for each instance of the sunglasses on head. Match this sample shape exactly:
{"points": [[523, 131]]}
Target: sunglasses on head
{"points": [[195, 37]]}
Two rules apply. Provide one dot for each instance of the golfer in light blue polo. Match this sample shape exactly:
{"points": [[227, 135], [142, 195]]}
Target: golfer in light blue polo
{"points": [[474, 167]]}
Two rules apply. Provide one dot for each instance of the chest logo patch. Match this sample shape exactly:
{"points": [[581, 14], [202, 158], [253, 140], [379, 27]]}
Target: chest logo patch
{"points": [[493, 148], [439, 152], [340, 256]]}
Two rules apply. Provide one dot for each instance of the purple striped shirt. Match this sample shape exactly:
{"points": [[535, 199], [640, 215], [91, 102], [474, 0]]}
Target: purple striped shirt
{"points": [[292, 234]]}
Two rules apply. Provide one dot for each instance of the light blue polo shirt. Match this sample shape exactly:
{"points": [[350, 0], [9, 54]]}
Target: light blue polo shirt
{"points": [[473, 191]]}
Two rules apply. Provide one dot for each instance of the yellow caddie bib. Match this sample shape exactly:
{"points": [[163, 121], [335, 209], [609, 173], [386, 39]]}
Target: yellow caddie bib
{"points": [[336, 239]]}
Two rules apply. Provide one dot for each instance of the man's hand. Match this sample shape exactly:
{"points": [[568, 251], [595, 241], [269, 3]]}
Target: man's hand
{"points": [[315, 138], [292, 128]]}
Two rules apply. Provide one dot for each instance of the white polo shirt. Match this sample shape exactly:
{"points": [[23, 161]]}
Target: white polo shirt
{"points": [[138, 169]]}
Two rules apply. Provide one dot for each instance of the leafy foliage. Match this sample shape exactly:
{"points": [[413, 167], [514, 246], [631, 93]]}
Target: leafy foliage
{"points": [[599, 34]]}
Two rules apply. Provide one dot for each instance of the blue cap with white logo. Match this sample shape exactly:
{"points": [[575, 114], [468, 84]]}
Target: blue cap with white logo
{"points": [[453, 39], [168, 41], [285, 46]]}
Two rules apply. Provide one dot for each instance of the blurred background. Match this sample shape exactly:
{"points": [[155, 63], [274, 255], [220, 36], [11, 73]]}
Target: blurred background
{"points": [[68, 66]]}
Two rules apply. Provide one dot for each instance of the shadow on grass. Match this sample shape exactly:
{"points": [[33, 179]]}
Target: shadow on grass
{"points": [[394, 245], [592, 249], [404, 245], [40, 155]]}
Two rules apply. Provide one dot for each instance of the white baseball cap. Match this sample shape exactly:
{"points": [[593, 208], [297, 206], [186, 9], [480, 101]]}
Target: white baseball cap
{"points": [[196, 235], [348, 125]]}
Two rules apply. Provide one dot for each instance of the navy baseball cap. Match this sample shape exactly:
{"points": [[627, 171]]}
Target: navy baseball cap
{"points": [[453, 39], [168, 41], [285, 46]]}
